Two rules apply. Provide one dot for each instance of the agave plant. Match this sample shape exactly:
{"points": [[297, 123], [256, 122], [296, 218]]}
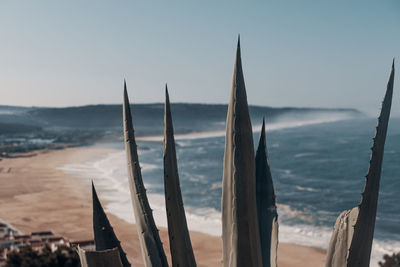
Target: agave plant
{"points": [[351, 241], [249, 215]]}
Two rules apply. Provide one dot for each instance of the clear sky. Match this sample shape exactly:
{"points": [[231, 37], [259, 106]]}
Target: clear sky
{"points": [[295, 53]]}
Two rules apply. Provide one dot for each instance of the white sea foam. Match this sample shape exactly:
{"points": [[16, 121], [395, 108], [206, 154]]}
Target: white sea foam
{"points": [[309, 189], [314, 236], [302, 155], [216, 185], [282, 124], [7, 112]]}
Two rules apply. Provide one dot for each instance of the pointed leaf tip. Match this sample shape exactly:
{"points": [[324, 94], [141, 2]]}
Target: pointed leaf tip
{"points": [[126, 100], [95, 198], [152, 249], [238, 49], [166, 97], [262, 134], [180, 245], [266, 208], [363, 216], [94, 194], [240, 237], [104, 235], [238, 61]]}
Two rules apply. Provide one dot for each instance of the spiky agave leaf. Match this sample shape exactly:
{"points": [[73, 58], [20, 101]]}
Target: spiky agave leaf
{"points": [[150, 243], [179, 239], [266, 208], [104, 258], [360, 248], [351, 241], [240, 233], [104, 235]]}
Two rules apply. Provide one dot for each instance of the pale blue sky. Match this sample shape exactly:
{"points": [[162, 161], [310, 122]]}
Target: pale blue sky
{"points": [[295, 53]]}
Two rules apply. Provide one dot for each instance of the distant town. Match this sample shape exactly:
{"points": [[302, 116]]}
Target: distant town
{"points": [[12, 240]]}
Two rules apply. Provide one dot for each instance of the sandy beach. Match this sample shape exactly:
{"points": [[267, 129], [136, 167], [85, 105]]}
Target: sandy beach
{"points": [[35, 195]]}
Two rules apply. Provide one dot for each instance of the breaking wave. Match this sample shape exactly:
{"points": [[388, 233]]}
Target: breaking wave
{"points": [[284, 123]]}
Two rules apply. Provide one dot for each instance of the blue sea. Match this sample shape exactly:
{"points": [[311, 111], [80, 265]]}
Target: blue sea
{"points": [[318, 159], [318, 170]]}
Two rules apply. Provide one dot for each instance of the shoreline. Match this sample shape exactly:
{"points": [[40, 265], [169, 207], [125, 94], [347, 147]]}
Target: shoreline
{"points": [[61, 202]]}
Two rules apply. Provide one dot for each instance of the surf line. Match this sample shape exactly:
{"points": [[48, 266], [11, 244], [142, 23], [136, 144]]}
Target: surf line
{"points": [[220, 133]]}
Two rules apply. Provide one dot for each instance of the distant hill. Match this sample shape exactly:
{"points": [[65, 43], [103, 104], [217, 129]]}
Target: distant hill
{"points": [[25, 129], [151, 115]]}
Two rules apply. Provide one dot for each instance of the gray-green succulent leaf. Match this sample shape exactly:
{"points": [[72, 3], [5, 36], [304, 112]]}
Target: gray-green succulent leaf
{"points": [[150, 242]]}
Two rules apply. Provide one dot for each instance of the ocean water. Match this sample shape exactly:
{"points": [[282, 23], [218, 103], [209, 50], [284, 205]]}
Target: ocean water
{"points": [[318, 168]]}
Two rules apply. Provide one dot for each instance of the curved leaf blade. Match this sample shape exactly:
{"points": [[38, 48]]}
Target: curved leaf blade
{"points": [[240, 232], [179, 238], [266, 208], [150, 242]]}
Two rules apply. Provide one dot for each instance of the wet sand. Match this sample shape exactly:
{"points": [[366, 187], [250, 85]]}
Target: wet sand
{"points": [[35, 195]]}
